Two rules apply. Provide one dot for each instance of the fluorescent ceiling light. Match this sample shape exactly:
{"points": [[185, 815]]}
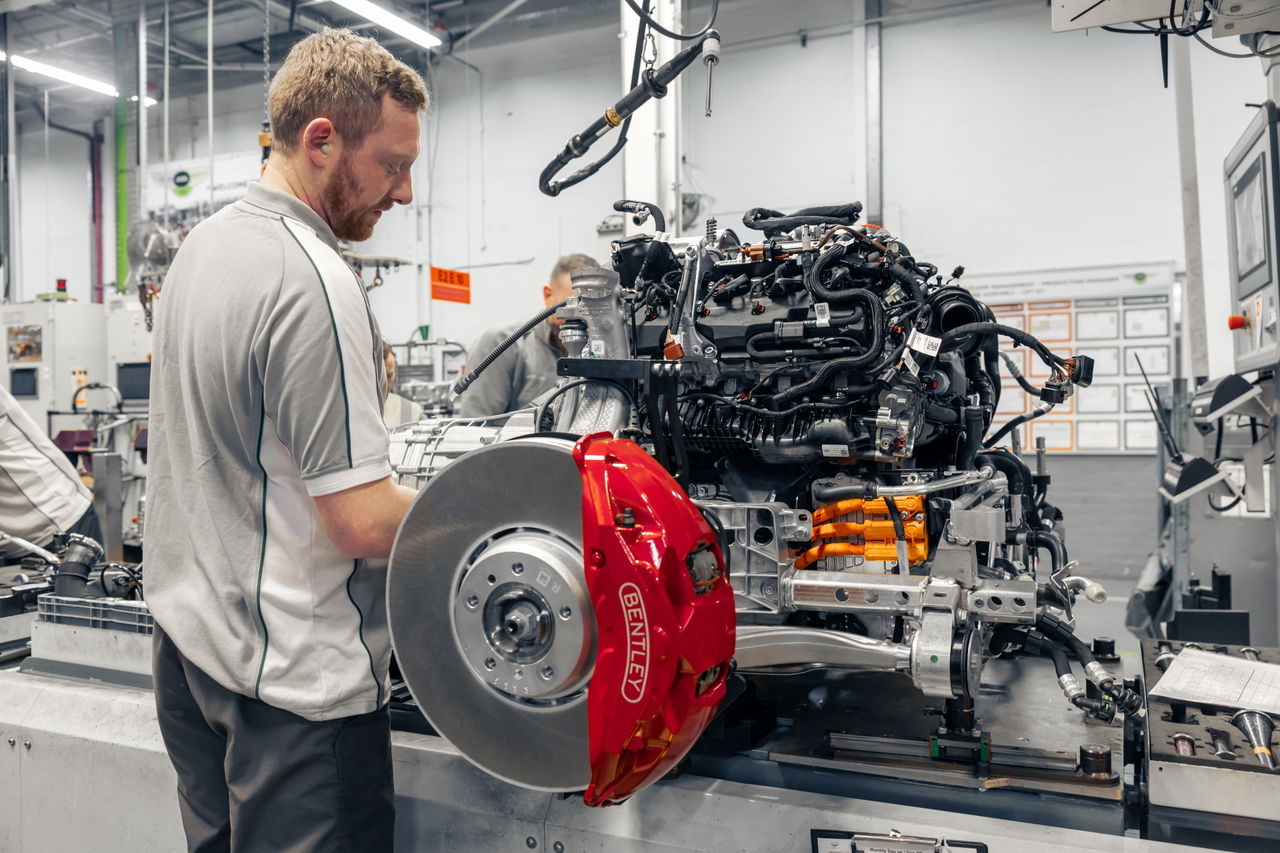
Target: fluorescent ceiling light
{"points": [[65, 76], [390, 21], [70, 77]]}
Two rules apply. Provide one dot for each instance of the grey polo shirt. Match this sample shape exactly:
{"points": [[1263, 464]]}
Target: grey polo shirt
{"points": [[520, 374], [40, 493], [266, 391]]}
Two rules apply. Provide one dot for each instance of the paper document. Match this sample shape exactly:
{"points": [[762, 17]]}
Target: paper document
{"points": [[1208, 678]]}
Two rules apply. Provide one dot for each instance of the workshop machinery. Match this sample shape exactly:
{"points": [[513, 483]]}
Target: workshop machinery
{"points": [[766, 459]]}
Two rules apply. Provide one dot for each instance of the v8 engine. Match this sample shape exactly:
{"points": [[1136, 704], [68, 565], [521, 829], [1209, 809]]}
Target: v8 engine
{"points": [[765, 457]]}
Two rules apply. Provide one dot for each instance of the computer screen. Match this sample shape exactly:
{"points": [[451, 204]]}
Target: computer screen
{"points": [[134, 380], [23, 382], [1249, 206], [1252, 191]]}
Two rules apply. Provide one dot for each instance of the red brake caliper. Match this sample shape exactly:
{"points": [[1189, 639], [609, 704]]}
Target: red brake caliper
{"points": [[664, 617]]}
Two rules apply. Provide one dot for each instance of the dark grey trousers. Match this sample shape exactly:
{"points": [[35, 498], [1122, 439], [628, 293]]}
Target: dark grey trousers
{"points": [[252, 777]]}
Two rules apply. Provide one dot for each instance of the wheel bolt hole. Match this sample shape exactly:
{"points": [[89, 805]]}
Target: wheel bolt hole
{"points": [[565, 612], [473, 602], [547, 673], [517, 568], [490, 663]]}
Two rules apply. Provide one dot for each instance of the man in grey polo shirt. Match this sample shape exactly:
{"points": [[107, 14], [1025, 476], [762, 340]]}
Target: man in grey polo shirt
{"points": [[528, 368], [269, 479]]}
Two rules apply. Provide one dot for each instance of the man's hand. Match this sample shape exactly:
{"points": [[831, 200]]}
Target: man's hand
{"points": [[362, 521]]}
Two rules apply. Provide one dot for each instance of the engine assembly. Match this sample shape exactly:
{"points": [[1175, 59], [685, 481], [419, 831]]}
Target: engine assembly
{"points": [[765, 458]]}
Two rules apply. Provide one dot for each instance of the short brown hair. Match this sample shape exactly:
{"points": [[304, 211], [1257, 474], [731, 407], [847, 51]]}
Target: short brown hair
{"points": [[569, 263], [343, 77]]}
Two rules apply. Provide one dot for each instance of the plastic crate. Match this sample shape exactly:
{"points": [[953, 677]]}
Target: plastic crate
{"points": [[114, 614]]}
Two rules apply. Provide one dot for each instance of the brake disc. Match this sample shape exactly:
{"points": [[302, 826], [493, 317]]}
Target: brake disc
{"points": [[486, 578]]}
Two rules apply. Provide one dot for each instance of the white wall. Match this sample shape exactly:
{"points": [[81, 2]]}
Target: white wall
{"points": [[787, 126], [55, 231], [1008, 147]]}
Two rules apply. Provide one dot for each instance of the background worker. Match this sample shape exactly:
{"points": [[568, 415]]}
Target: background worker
{"points": [[528, 368], [41, 495], [397, 410]]}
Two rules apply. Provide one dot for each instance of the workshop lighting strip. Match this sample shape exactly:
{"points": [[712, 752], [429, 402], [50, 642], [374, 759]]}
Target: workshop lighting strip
{"points": [[62, 75], [390, 21]]}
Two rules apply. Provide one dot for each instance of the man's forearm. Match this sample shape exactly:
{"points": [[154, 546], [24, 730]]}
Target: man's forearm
{"points": [[362, 521]]}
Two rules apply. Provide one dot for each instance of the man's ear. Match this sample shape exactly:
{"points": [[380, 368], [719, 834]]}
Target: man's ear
{"points": [[320, 142], [546, 294]]}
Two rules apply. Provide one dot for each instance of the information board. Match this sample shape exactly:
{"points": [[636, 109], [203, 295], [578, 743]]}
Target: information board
{"points": [[1120, 316]]}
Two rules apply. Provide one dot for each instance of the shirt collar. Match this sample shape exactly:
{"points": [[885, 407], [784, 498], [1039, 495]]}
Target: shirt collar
{"points": [[284, 204]]}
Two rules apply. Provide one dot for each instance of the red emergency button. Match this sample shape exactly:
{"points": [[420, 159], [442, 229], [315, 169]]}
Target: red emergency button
{"points": [[1237, 321]]}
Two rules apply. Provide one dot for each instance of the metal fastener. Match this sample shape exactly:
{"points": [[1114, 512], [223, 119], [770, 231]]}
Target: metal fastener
{"points": [[27, 744], [558, 847], [531, 842], [12, 742]]}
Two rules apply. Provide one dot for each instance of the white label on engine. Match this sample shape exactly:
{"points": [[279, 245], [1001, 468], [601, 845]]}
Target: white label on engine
{"points": [[837, 450], [597, 348], [823, 310], [910, 363], [927, 344]]}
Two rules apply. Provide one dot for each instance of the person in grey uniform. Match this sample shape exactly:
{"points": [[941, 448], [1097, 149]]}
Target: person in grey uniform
{"points": [[270, 495], [397, 410], [528, 368], [41, 495]]}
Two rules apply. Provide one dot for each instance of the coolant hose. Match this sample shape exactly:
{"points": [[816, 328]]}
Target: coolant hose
{"points": [[974, 423], [72, 577]]}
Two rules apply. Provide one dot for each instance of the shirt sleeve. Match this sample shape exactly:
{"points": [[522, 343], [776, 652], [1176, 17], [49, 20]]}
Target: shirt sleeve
{"points": [[493, 392], [320, 377]]}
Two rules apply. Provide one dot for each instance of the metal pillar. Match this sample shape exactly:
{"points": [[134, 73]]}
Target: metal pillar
{"points": [[128, 180], [873, 205], [108, 501], [651, 160], [1193, 305], [9, 169]]}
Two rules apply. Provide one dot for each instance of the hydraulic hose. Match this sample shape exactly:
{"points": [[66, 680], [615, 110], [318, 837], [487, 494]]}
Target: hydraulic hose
{"points": [[1013, 468], [1043, 539], [974, 423], [472, 375]]}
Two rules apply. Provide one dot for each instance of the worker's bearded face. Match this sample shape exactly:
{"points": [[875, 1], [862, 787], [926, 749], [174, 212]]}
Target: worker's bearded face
{"points": [[351, 217]]}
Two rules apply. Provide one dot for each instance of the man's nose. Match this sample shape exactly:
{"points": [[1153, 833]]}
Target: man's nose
{"points": [[402, 189]]}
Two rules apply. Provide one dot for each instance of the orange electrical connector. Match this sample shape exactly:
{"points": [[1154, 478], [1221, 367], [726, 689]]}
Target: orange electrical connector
{"points": [[873, 536]]}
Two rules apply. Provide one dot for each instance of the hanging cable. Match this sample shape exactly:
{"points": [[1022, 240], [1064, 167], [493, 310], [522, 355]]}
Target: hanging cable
{"points": [[647, 19]]}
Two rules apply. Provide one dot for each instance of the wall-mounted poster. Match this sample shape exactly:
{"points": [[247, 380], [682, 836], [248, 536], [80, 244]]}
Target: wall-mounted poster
{"points": [[1146, 322], [1098, 435], [1097, 325], [1117, 315], [1140, 435], [1153, 359], [26, 344], [1050, 328], [1098, 400], [1057, 434]]}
